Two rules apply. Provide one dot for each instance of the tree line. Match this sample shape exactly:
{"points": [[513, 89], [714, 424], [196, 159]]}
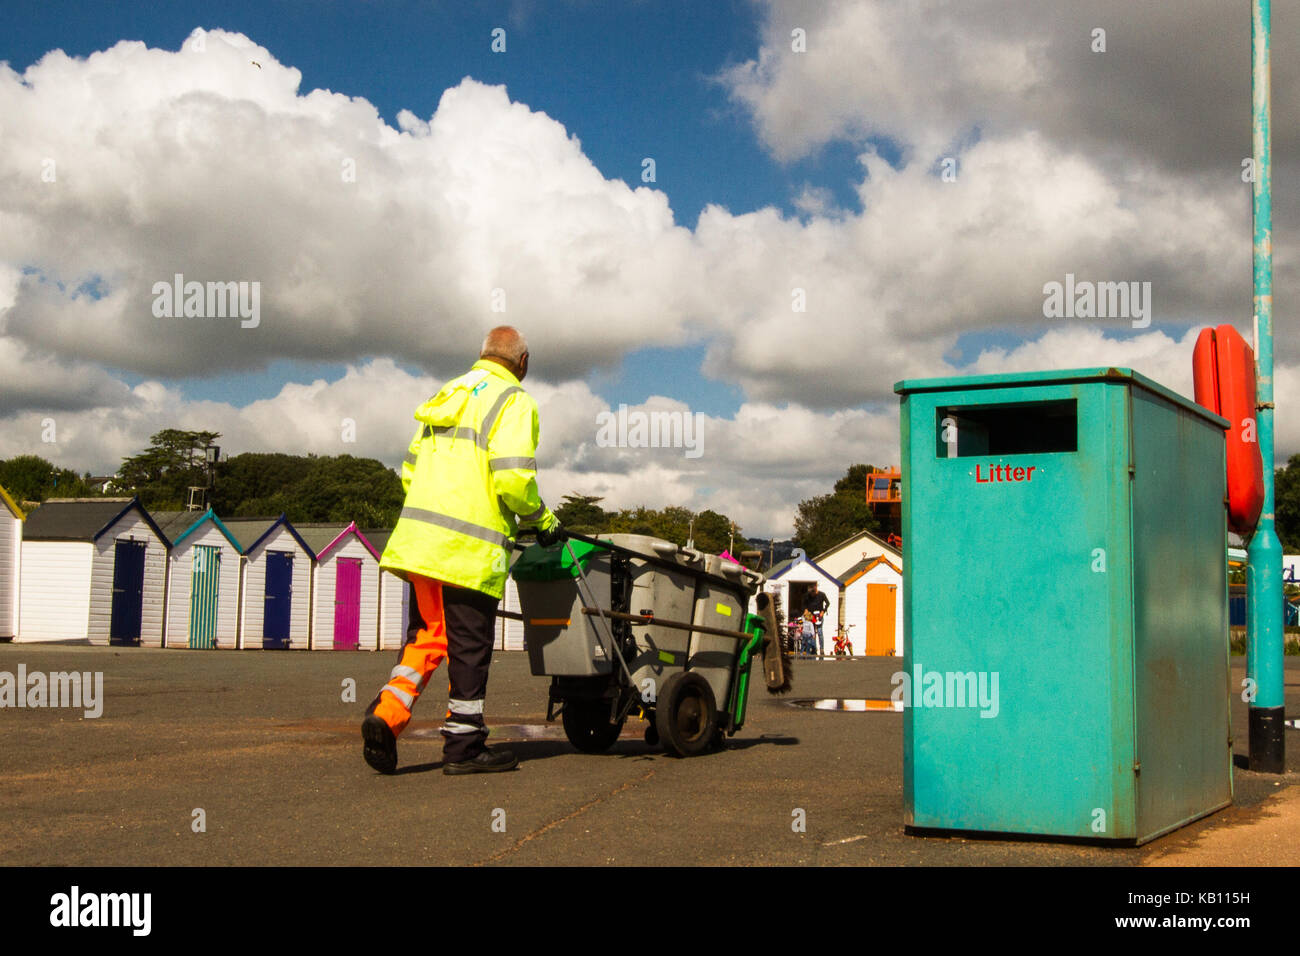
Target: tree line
{"points": [[346, 488], [304, 488]]}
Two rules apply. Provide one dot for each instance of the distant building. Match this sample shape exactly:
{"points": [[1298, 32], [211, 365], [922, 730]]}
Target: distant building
{"points": [[205, 568], [394, 598], [885, 499], [873, 607], [863, 545], [275, 589], [11, 559], [791, 580], [345, 589], [93, 569]]}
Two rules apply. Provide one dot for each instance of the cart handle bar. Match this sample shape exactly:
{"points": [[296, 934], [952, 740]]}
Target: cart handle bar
{"points": [[651, 559], [663, 622]]}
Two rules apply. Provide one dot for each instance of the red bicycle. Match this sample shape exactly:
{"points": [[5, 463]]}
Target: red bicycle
{"points": [[843, 646]]}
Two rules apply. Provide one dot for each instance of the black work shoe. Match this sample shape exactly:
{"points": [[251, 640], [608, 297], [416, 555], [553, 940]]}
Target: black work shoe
{"points": [[488, 761], [380, 745]]}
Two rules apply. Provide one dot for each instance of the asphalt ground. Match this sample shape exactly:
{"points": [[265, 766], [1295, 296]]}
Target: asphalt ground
{"points": [[263, 744]]}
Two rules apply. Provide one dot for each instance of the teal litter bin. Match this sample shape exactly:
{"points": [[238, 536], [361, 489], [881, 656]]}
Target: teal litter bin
{"points": [[1065, 601]]}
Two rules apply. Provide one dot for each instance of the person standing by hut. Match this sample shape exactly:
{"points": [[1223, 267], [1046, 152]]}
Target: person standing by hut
{"points": [[816, 603], [471, 479]]}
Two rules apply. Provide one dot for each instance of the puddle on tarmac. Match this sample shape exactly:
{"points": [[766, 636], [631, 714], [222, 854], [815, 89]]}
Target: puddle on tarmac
{"points": [[856, 704]]}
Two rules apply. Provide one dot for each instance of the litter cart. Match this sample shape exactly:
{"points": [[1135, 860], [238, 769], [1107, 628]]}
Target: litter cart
{"points": [[634, 625]]}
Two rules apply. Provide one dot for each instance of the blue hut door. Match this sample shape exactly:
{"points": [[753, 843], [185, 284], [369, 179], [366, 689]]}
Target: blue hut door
{"points": [[128, 593], [277, 603], [203, 596]]}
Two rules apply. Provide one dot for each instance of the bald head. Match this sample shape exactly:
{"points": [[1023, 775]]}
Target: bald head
{"points": [[506, 346]]}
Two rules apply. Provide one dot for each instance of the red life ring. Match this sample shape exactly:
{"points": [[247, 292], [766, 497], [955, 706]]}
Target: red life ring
{"points": [[1223, 372]]}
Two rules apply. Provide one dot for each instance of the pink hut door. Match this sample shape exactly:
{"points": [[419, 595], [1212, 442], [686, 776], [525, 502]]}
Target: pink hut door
{"points": [[347, 604]]}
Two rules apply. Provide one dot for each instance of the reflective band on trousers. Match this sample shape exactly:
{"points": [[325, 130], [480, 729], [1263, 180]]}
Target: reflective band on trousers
{"points": [[410, 673], [465, 706], [455, 727], [404, 696], [501, 464], [456, 524]]}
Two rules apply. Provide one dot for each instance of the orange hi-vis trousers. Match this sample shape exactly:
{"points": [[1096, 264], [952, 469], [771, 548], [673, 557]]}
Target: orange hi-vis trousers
{"points": [[420, 657]]}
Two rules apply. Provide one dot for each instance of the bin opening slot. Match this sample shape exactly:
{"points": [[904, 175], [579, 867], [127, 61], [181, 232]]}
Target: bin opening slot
{"points": [[1013, 428]]}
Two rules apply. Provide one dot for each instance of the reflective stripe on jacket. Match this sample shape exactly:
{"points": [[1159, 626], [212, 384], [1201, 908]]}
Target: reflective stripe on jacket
{"points": [[470, 477]]}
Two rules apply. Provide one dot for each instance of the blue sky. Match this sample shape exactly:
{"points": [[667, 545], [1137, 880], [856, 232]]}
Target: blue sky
{"points": [[630, 80]]}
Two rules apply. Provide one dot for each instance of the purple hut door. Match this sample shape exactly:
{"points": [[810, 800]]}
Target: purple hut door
{"points": [[347, 604]]}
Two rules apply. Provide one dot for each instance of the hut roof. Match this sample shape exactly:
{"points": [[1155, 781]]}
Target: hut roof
{"points": [[80, 519], [7, 500], [865, 565]]}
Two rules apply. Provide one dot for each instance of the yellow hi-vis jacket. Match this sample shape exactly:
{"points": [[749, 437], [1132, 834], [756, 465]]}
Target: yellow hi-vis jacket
{"points": [[471, 469]]}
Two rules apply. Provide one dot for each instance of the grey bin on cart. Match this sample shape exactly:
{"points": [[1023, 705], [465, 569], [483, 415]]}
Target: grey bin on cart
{"points": [[561, 640], [712, 656], [660, 650]]}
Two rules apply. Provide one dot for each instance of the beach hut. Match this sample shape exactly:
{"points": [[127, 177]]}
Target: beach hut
{"points": [[790, 581], [93, 569], [873, 607], [11, 555], [854, 549], [345, 589], [510, 634], [394, 596], [203, 585], [275, 602]]}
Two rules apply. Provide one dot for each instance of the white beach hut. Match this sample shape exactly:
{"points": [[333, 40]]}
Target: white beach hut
{"points": [[203, 586], [345, 588], [873, 607], [95, 570], [275, 611], [11, 559]]}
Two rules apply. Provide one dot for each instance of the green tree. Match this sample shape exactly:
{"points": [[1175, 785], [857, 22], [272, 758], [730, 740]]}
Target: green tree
{"points": [[164, 472], [712, 531], [580, 513], [825, 520], [639, 520], [242, 480], [28, 477], [1286, 493], [713, 534], [32, 478]]}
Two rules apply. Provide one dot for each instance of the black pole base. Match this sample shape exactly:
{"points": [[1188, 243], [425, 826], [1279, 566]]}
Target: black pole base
{"points": [[1267, 745]]}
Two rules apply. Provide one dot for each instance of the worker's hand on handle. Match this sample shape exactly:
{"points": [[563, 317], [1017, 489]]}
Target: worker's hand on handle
{"points": [[551, 535]]}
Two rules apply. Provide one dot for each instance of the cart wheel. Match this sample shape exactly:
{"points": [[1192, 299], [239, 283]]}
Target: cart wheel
{"points": [[685, 714], [652, 735], [586, 724]]}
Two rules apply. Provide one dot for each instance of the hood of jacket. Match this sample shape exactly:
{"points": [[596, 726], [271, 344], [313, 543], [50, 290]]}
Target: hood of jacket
{"points": [[447, 407]]}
